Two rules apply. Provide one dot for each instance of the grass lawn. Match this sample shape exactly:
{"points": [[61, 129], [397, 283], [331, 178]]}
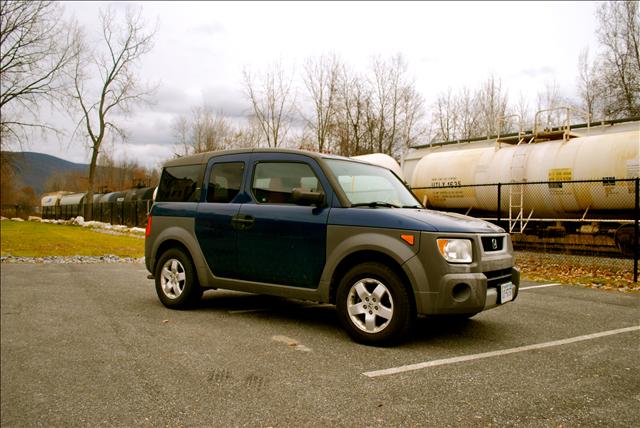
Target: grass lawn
{"points": [[33, 239]]}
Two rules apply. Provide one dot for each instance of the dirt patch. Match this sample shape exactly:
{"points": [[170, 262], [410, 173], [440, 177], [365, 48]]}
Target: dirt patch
{"points": [[595, 272]]}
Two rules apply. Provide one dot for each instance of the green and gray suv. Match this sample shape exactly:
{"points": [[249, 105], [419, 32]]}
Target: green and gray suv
{"points": [[323, 228]]}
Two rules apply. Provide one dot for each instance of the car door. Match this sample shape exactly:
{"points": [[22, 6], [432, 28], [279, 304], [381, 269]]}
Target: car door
{"points": [[215, 228], [283, 243]]}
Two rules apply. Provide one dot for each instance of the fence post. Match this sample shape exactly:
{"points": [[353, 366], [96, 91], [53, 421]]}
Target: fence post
{"points": [[498, 212], [636, 238]]}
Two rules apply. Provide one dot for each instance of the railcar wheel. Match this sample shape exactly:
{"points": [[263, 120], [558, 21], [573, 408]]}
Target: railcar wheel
{"points": [[373, 305], [176, 280]]}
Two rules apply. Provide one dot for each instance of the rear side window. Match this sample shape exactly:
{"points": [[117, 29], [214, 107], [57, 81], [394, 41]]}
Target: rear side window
{"points": [[179, 184], [273, 182], [225, 182]]}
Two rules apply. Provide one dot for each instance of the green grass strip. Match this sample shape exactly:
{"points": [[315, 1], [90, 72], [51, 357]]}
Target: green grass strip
{"points": [[34, 239]]}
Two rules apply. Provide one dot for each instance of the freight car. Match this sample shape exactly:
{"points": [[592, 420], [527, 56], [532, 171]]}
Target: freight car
{"points": [[127, 207], [574, 184]]}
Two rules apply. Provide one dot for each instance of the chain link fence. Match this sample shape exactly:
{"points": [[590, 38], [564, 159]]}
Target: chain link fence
{"points": [[128, 213], [588, 226], [19, 211]]}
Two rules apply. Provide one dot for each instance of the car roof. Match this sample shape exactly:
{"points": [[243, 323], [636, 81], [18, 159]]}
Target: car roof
{"points": [[200, 158]]}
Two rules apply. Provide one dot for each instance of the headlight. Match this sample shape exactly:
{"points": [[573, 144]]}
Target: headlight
{"points": [[456, 250]]}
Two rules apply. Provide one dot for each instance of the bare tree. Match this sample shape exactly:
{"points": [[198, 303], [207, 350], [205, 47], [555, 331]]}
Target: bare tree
{"points": [[395, 107], [119, 89], [272, 99], [349, 129], [206, 130], [412, 127], [550, 102], [492, 101], [35, 47], [247, 136], [467, 110], [445, 116], [619, 35], [321, 78], [589, 87], [523, 112], [210, 131], [180, 128]]}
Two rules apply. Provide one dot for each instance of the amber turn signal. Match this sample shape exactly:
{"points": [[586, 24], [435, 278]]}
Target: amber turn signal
{"points": [[409, 239]]}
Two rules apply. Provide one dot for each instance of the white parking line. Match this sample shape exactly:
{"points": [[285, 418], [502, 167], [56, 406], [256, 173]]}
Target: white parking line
{"points": [[426, 364], [540, 286]]}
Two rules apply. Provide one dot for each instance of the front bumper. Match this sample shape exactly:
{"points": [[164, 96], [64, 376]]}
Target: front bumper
{"points": [[468, 292]]}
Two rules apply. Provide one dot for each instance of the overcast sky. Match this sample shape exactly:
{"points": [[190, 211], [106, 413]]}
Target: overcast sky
{"points": [[201, 49]]}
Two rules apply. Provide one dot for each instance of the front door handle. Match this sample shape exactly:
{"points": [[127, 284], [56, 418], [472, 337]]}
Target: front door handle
{"points": [[242, 221]]}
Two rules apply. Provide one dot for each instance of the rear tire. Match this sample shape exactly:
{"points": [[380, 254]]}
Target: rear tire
{"points": [[176, 280], [373, 305]]}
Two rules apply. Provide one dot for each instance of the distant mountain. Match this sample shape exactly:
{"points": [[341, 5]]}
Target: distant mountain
{"points": [[34, 169]]}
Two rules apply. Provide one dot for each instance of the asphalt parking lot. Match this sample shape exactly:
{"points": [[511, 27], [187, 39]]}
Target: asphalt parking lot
{"points": [[91, 345]]}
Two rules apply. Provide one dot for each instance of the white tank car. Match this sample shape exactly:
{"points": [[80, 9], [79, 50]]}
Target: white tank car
{"points": [[604, 153], [382, 160]]}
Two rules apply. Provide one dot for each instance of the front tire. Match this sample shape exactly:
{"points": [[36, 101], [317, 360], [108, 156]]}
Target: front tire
{"points": [[373, 305], [176, 280]]}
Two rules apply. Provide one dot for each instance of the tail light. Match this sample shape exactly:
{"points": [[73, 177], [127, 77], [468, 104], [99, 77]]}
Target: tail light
{"points": [[148, 230]]}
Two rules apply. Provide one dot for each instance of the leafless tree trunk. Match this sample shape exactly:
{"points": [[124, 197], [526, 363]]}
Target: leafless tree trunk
{"points": [[321, 78], [548, 99], [589, 89], [468, 115], [180, 127], [412, 104], [119, 87], [524, 114], [619, 35], [445, 116], [493, 105], [35, 48], [395, 107], [350, 117], [207, 131], [272, 100]]}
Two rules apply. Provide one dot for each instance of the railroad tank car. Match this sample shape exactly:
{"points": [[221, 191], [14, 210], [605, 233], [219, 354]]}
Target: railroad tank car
{"points": [[110, 207], [71, 205], [50, 204], [542, 207], [382, 160], [600, 153], [138, 205]]}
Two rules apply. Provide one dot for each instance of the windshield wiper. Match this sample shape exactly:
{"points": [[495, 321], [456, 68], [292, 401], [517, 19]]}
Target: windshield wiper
{"points": [[411, 206], [375, 204]]}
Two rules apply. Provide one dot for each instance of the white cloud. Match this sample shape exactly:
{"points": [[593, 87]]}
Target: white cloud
{"points": [[201, 49]]}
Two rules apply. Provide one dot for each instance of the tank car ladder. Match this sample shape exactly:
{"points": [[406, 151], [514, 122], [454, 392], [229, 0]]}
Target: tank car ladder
{"points": [[516, 205], [516, 191]]}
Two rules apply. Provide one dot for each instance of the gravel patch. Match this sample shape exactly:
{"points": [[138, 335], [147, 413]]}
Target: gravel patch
{"points": [[109, 258]]}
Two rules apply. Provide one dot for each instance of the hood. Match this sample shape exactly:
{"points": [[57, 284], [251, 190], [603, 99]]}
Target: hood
{"points": [[415, 219], [452, 222]]}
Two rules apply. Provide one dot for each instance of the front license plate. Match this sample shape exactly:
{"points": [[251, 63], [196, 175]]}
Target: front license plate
{"points": [[506, 292]]}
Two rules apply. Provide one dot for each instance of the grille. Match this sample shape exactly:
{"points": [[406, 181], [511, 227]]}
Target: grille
{"points": [[492, 243], [498, 277]]}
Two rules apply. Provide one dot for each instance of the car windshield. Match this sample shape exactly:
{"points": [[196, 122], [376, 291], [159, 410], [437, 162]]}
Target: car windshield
{"points": [[371, 185]]}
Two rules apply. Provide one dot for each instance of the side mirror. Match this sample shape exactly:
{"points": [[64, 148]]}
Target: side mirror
{"points": [[307, 198]]}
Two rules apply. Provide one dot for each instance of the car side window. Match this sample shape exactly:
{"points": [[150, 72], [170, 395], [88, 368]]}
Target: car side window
{"points": [[180, 184], [225, 182], [273, 182]]}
